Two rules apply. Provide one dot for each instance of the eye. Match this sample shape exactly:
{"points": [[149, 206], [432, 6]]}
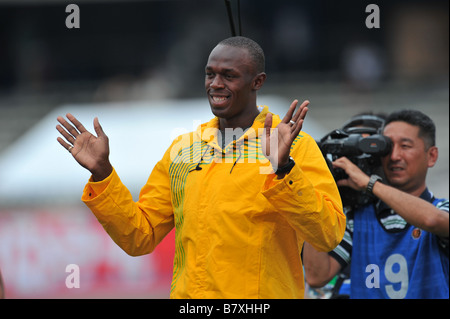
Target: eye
{"points": [[229, 76]]}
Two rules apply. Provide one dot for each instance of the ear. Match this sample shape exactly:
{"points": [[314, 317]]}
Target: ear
{"points": [[259, 80], [432, 155]]}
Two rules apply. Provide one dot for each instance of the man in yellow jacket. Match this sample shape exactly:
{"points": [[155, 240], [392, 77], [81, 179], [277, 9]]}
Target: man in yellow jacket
{"points": [[244, 191]]}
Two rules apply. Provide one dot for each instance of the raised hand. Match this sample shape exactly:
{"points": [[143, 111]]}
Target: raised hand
{"points": [[91, 152], [277, 142]]}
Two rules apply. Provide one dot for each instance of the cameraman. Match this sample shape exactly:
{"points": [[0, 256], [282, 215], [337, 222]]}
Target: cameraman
{"points": [[399, 245]]}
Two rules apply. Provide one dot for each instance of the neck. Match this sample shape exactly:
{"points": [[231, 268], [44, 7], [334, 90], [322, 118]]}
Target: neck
{"points": [[241, 121]]}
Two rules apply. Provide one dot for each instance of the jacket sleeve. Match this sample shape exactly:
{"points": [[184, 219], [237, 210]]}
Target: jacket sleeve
{"points": [[137, 227], [308, 197]]}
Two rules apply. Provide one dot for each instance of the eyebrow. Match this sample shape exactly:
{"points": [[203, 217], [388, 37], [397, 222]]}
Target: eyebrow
{"points": [[406, 139], [221, 70]]}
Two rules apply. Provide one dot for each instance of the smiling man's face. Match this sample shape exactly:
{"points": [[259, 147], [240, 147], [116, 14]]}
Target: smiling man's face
{"points": [[407, 164], [231, 83]]}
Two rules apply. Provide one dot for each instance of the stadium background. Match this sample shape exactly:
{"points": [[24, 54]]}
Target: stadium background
{"points": [[139, 66]]}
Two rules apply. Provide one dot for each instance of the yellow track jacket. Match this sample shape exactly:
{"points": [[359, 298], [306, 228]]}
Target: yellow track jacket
{"points": [[239, 230]]}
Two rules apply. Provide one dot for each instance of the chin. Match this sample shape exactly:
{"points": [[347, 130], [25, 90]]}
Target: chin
{"points": [[219, 111], [396, 182]]}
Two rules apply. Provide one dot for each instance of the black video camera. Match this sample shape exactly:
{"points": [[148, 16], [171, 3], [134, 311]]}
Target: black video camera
{"points": [[361, 142]]}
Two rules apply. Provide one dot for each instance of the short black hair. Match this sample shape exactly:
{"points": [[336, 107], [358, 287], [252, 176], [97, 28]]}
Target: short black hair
{"points": [[253, 48], [427, 128]]}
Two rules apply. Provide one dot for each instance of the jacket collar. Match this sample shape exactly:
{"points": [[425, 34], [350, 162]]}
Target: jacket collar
{"points": [[208, 131]]}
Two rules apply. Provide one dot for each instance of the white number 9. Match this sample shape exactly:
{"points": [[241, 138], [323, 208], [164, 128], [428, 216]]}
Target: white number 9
{"points": [[400, 276]]}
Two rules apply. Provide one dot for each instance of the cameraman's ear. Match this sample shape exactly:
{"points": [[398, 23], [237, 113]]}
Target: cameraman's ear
{"points": [[433, 155]]}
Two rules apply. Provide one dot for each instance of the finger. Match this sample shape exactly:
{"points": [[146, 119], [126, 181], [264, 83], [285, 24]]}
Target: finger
{"points": [[337, 163], [72, 130], [301, 112], [98, 128], [67, 146], [290, 112], [341, 162], [268, 122], [77, 123], [267, 128], [343, 182], [66, 135], [297, 128], [299, 121]]}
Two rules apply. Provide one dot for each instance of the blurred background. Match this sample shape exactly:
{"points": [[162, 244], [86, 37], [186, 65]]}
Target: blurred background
{"points": [[139, 67]]}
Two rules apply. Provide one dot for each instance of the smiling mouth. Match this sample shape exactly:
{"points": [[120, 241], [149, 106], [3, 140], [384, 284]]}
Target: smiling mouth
{"points": [[219, 100]]}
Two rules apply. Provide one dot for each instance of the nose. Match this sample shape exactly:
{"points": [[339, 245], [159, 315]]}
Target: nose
{"points": [[217, 83], [395, 153]]}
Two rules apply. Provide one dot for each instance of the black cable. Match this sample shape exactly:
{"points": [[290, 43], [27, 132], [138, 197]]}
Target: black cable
{"points": [[230, 17], [239, 17]]}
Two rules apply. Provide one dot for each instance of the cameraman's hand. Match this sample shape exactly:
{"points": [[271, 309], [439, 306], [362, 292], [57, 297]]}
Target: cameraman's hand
{"points": [[357, 179]]}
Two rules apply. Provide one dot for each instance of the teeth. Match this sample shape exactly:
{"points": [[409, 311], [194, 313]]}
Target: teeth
{"points": [[219, 98]]}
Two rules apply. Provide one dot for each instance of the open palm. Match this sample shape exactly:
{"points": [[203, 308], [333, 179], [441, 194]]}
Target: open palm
{"points": [[90, 151], [277, 142]]}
